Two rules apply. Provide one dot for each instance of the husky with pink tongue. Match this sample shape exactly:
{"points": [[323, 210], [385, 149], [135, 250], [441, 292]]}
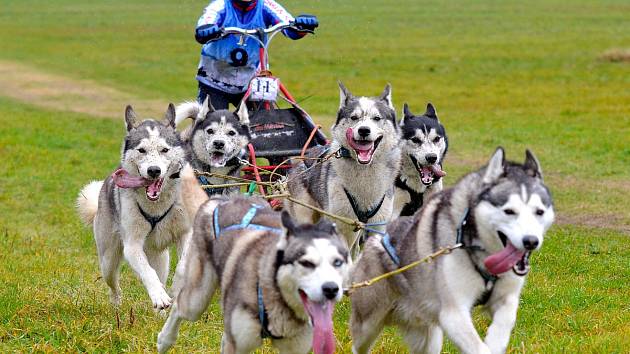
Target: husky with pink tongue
{"points": [[278, 280], [500, 215], [137, 212], [359, 182]]}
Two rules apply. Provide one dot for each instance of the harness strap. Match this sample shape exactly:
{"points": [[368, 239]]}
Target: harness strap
{"points": [[263, 317], [203, 180], [153, 220], [415, 198], [363, 215], [391, 251], [246, 222]]}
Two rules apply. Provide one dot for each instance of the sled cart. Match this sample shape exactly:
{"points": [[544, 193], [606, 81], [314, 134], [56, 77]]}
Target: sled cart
{"points": [[277, 133]]}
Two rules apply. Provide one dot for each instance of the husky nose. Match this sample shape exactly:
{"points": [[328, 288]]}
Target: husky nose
{"points": [[530, 242], [364, 132], [431, 158], [154, 172], [330, 290], [218, 144]]}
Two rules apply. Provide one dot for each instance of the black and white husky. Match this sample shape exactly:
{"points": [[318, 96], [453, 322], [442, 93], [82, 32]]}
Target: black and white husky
{"points": [[500, 214], [278, 280], [216, 141], [424, 146], [137, 212], [359, 184]]}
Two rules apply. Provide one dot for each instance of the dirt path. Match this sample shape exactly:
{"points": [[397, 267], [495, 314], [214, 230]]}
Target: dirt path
{"points": [[30, 85]]}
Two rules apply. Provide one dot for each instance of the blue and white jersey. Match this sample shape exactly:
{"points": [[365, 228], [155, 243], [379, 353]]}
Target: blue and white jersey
{"points": [[227, 64]]}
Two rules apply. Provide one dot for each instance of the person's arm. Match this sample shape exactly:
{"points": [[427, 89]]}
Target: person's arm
{"points": [[274, 13], [208, 26]]}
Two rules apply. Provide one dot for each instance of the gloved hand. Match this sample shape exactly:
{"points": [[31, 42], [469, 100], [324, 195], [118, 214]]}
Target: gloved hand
{"points": [[206, 33], [306, 22]]}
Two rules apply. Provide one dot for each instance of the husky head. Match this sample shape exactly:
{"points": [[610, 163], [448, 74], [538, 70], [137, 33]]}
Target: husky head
{"points": [[311, 273], [424, 144], [152, 154], [219, 136], [513, 212], [366, 126]]}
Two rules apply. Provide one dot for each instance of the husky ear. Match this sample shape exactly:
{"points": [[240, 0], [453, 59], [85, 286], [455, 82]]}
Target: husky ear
{"points": [[495, 166], [326, 226], [206, 107], [406, 112], [243, 115], [130, 118], [287, 222], [431, 113], [169, 116], [386, 96], [532, 165], [344, 95]]}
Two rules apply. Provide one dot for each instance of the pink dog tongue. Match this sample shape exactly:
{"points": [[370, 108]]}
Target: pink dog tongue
{"points": [[503, 260], [123, 179], [437, 170], [364, 151], [321, 316], [155, 187]]}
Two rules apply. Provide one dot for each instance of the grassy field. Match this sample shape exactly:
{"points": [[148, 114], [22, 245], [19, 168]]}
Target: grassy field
{"points": [[516, 74]]}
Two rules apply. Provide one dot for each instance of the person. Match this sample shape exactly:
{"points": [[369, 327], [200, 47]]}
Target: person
{"points": [[228, 64]]}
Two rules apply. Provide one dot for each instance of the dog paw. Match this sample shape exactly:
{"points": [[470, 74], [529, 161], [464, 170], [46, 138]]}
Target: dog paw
{"points": [[115, 297], [160, 299], [164, 343]]}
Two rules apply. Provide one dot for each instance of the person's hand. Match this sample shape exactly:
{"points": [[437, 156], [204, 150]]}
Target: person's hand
{"points": [[306, 22], [204, 34]]}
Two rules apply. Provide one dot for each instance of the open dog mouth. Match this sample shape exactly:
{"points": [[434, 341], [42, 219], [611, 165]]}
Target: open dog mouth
{"points": [[218, 159], [428, 172], [364, 148], [153, 188], [508, 258], [321, 319]]}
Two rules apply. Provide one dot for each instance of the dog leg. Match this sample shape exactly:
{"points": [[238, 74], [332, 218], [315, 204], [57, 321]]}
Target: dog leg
{"points": [[109, 260], [137, 259], [423, 339], [503, 320], [458, 325], [366, 331], [168, 334]]}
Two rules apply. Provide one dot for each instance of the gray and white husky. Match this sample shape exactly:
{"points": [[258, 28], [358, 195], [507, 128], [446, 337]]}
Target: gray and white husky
{"points": [[424, 146], [500, 214], [137, 212], [359, 184], [216, 141], [277, 279]]}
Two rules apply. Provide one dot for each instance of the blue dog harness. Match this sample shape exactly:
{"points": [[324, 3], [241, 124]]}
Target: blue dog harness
{"points": [[246, 223]]}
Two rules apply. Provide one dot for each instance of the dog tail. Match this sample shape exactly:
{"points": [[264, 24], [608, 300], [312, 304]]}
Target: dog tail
{"points": [[187, 110], [87, 202]]}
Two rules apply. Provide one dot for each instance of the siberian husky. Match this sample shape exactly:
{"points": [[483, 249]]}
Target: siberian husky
{"points": [[424, 146], [359, 184], [137, 211], [277, 279], [216, 141], [500, 214]]}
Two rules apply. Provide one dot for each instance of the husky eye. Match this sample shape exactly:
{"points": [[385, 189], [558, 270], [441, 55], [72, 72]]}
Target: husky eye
{"points": [[307, 264], [231, 133], [417, 140], [509, 211], [354, 117], [437, 139], [337, 263], [540, 212], [165, 150], [210, 131], [142, 151], [377, 118]]}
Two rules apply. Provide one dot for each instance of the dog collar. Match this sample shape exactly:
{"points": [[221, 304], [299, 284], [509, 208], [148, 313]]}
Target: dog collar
{"points": [[153, 220], [343, 153]]}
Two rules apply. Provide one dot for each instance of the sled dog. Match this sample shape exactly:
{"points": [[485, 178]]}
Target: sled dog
{"points": [[500, 215], [278, 280]]}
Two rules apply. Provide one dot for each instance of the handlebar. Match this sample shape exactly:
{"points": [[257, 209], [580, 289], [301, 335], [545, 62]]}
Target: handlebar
{"points": [[252, 32]]}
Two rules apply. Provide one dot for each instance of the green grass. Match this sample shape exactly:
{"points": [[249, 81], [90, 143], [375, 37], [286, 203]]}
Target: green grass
{"points": [[516, 74]]}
